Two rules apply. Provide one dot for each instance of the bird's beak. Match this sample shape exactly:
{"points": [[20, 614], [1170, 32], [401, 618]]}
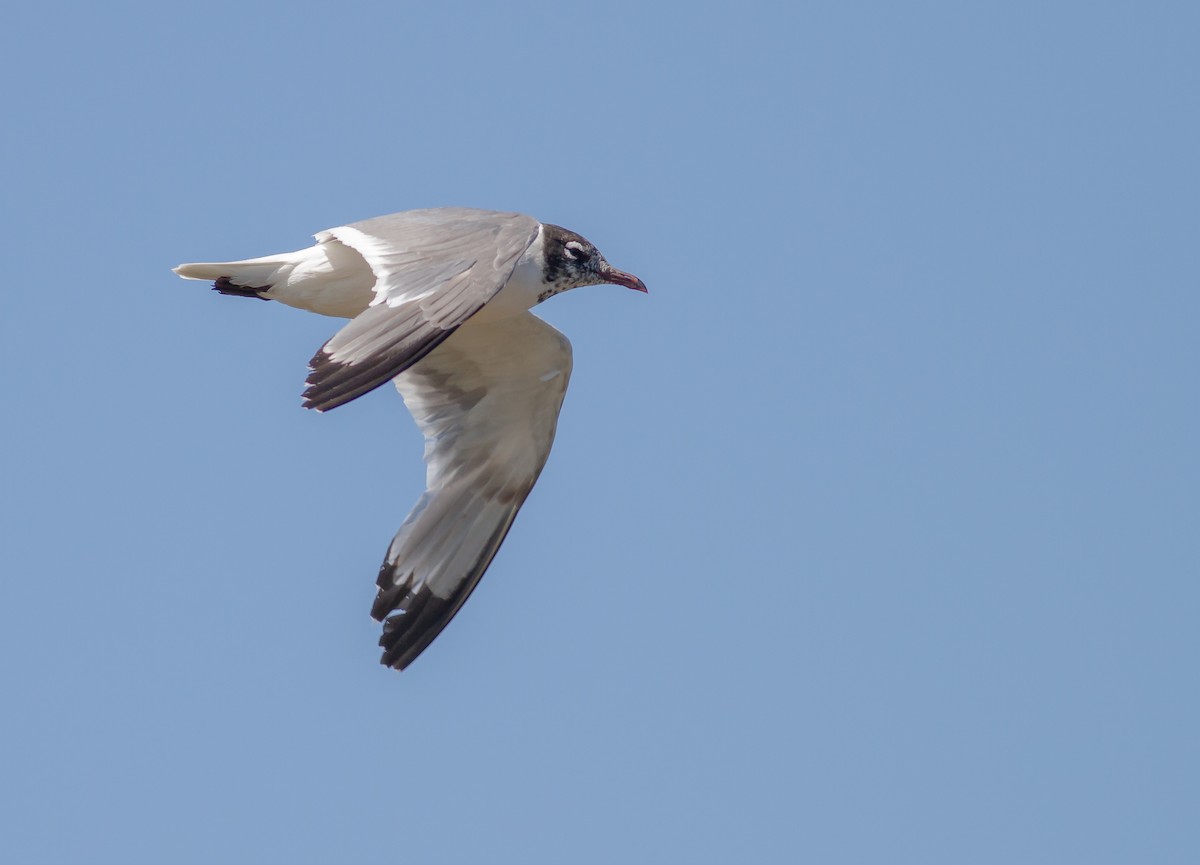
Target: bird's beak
{"points": [[619, 277]]}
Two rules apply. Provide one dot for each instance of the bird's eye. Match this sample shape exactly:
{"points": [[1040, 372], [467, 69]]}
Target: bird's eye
{"points": [[575, 251]]}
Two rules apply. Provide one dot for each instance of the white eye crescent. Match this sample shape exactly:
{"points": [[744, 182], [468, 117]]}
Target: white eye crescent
{"points": [[575, 250]]}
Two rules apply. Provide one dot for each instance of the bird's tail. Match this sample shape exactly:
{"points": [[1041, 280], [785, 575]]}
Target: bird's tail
{"points": [[329, 278], [249, 278]]}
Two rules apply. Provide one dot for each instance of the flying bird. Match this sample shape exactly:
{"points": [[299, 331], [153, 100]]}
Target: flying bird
{"points": [[438, 302]]}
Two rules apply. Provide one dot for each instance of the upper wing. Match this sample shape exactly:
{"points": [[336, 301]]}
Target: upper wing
{"points": [[433, 270], [487, 401]]}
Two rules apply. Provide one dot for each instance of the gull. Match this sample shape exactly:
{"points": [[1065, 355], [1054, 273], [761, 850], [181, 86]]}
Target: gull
{"points": [[438, 302]]}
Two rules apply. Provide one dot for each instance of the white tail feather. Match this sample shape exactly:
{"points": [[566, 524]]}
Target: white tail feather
{"points": [[252, 271], [328, 278]]}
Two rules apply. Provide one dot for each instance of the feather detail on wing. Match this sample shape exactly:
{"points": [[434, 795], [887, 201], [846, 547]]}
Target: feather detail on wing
{"points": [[487, 401], [434, 269]]}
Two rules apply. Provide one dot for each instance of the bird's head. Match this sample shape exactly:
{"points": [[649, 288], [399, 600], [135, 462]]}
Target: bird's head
{"points": [[572, 261]]}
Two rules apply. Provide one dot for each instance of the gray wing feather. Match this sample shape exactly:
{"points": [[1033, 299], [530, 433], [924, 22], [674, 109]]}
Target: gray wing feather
{"points": [[487, 401], [434, 269]]}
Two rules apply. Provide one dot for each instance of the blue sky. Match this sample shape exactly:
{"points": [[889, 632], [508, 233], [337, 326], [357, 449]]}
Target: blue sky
{"points": [[870, 535]]}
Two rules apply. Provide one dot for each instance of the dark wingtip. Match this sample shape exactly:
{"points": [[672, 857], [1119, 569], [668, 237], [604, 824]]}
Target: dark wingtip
{"points": [[225, 285], [407, 634], [332, 383]]}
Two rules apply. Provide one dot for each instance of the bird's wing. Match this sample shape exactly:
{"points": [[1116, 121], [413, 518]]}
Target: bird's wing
{"points": [[433, 269], [487, 401]]}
